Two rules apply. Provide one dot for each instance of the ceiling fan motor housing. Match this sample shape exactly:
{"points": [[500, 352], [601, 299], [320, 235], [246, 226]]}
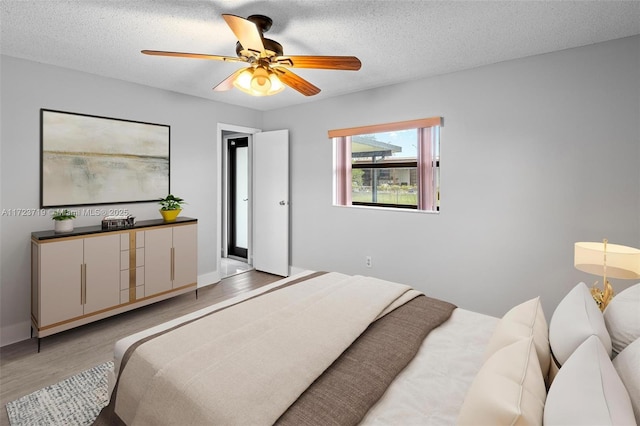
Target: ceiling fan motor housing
{"points": [[272, 47]]}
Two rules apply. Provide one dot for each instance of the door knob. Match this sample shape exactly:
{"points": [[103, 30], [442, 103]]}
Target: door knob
{"points": [[282, 203]]}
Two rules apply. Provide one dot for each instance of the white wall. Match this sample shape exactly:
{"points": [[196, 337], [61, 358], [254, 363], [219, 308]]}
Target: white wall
{"points": [[536, 154], [28, 86]]}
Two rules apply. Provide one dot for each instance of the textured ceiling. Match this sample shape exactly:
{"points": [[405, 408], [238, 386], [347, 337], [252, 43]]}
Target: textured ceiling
{"points": [[395, 40]]}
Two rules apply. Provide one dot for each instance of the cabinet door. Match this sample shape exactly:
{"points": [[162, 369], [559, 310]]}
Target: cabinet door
{"points": [[185, 255], [60, 281], [102, 272], [157, 261]]}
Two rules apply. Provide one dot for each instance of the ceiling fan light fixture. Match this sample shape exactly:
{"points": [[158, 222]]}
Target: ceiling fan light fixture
{"points": [[258, 81], [276, 84], [243, 80]]}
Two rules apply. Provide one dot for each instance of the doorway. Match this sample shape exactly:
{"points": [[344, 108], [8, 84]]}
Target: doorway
{"points": [[236, 211], [238, 198], [267, 201]]}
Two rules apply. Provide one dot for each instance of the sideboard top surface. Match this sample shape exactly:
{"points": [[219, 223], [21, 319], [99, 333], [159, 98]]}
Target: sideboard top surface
{"points": [[97, 229]]}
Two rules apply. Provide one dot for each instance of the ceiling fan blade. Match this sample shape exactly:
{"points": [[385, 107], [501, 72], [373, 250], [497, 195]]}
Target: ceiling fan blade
{"points": [[348, 63], [227, 83], [296, 82], [192, 55], [247, 33]]}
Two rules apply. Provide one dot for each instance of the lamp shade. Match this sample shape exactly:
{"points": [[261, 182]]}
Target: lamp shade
{"points": [[622, 262], [258, 81]]}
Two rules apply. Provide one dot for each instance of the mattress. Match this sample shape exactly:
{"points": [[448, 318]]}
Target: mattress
{"points": [[430, 390]]}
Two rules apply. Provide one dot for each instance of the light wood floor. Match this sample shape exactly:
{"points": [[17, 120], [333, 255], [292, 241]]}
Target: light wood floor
{"points": [[23, 370]]}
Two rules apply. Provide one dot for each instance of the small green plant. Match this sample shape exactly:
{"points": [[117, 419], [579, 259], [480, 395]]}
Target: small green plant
{"points": [[65, 214], [171, 203]]}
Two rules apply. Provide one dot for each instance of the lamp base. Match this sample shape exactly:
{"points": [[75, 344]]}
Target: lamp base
{"points": [[602, 297]]}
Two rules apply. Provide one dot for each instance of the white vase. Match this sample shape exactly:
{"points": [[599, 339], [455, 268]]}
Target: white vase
{"points": [[63, 225]]}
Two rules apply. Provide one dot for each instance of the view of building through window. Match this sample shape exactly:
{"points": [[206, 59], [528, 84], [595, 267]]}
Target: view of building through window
{"points": [[384, 168]]}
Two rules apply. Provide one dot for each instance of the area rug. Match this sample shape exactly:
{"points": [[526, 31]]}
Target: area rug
{"points": [[73, 401]]}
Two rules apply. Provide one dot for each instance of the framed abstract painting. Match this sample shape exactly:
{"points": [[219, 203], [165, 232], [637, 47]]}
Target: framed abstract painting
{"points": [[87, 160]]}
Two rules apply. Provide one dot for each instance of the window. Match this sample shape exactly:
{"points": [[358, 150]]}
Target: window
{"points": [[393, 165]]}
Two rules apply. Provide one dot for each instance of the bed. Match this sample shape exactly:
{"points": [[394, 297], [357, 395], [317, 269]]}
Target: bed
{"points": [[328, 348]]}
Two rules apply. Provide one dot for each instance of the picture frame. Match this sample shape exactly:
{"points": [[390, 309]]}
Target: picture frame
{"points": [[93, 160]]}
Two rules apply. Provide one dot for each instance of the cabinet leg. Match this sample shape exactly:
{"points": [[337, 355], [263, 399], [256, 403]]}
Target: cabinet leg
{"points": [[38, 339]]}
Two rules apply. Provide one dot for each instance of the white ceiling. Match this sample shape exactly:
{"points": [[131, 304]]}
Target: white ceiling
{"points": [[395, 40]]}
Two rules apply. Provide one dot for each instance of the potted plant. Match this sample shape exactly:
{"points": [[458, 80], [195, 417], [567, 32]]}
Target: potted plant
{"points": [[171, 207], [63, 220]]}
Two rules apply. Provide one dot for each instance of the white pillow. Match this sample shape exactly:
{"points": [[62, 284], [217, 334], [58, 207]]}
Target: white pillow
{"points": [[627, 364], [575, 319], [622, 318], [588, 391], [523, 321], [508, 389]]}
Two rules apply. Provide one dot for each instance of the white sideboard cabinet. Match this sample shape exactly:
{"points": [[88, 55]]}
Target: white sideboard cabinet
{"points": [[91, 273]]}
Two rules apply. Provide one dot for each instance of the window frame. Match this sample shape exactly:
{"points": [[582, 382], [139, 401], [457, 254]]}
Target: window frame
{"points": [[427, 163]]}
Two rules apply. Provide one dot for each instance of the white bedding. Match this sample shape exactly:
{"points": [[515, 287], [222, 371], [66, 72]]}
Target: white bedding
{"points": [[430, 390]]}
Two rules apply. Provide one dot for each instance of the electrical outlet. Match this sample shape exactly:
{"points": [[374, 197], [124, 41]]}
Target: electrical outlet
{"points": [[367, 261]]}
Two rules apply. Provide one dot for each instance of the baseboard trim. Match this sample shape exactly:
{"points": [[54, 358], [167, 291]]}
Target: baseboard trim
{"points": [[293, 270], [208, 279], [15, 333]]}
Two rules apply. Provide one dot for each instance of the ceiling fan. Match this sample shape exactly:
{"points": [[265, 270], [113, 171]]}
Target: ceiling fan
{"points": [[268, 68]]}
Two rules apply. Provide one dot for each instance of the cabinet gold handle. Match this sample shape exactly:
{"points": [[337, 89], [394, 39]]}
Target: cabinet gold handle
{"points": [[83, 283], [173, 265]]}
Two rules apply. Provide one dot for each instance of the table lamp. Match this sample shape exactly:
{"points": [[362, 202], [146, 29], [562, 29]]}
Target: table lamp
{"points": [[608, 260]]}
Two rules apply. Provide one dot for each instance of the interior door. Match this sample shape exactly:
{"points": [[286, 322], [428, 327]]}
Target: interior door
{"points": [[271, 202]]}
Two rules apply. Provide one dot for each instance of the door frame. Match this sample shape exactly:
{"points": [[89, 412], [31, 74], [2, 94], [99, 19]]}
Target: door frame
{"points": [[230, 206], [221, 150]]}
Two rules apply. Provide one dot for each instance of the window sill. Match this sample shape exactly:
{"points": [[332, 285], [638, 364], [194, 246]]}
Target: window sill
{"points": [[388, 209]]}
